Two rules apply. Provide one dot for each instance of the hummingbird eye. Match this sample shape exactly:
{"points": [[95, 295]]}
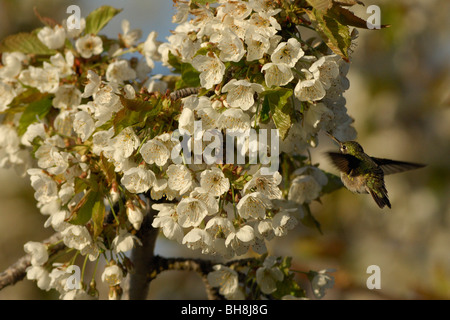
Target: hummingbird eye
{"points": [[344, 148]]}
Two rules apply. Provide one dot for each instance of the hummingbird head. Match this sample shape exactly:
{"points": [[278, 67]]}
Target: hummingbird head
{"points": [[351, 147], [348, 147]]}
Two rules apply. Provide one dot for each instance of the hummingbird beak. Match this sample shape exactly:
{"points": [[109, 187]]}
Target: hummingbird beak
{"points": [[332, 137]]}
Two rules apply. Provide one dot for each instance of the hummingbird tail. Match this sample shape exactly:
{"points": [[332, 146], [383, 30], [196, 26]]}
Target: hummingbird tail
{"points": [[381, 199]]}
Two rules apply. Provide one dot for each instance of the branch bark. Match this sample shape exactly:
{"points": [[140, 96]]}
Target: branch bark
{"points": [[17, 271], [142, 257]]}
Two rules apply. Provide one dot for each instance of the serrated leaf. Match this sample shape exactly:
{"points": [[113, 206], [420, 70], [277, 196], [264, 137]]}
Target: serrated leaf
{"points": [[320, 5], [108, 169], [33, 112], [27, 43], [99, 18], [190, 77], [82, 213], [335, 34], [80, 185], [128, 117], [347, 3], [98, 216], [280, 108], [136, 104]]}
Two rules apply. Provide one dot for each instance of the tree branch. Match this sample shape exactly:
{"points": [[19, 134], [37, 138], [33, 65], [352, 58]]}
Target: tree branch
{"points": [[142, 257], [17, 271], [200, 266]]}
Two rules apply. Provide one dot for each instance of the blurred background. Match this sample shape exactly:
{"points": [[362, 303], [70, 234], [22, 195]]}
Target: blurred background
{"points": [[400, 99]]}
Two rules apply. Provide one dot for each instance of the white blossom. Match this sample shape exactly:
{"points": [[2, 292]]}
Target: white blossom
{"points": [[119, 72], [304, 189], [93, 84], [138, 179], [130, 37], [257, 45], [268, 275], [112, 275], [76, 237], [227, 280], [180, 178], [7, 95], [38, 252], [11, 65], [41, 275], [321, 282], [326, 70], [66, 97], [241, 93], [191, 212], [155, 151], [83, 125], [230, 45], [214, 182], [241, 239], [211, 69], [277, 74], [282, 222], [266, 185], [135, 215], [124, 241], [234, 119], [89, 46], [53, 38], [167, 220], [198, 239], [44, 79], [310, 89], [288, 52], [253, 205]]}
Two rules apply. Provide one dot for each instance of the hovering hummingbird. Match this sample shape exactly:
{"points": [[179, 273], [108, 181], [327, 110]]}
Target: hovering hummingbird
{"points": [[361, 173]]}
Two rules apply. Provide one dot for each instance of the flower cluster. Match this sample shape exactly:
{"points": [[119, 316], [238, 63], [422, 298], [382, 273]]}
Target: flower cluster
{"points": [[97, 134]]}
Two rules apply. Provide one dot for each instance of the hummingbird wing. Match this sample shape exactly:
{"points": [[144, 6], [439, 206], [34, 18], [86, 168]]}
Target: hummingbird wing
{"points": [[393, 166], [344, 162]]}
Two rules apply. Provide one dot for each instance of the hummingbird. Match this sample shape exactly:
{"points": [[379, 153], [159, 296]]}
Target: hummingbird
{"points": [[361, 173]]}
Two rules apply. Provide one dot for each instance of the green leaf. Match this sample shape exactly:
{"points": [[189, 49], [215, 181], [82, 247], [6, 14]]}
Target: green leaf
{"points": [[175, 62], [132, 115], [280, 109], [136, 104], [335, 34], [190, 77], [34, 111], [98, 216], [27, 43], [288, 286], [320, 5], [265, 111], [203, 1], [83, 211], [99, 18]]}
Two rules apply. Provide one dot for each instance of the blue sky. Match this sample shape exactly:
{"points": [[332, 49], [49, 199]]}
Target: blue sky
{"points": [[150, 15]]}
